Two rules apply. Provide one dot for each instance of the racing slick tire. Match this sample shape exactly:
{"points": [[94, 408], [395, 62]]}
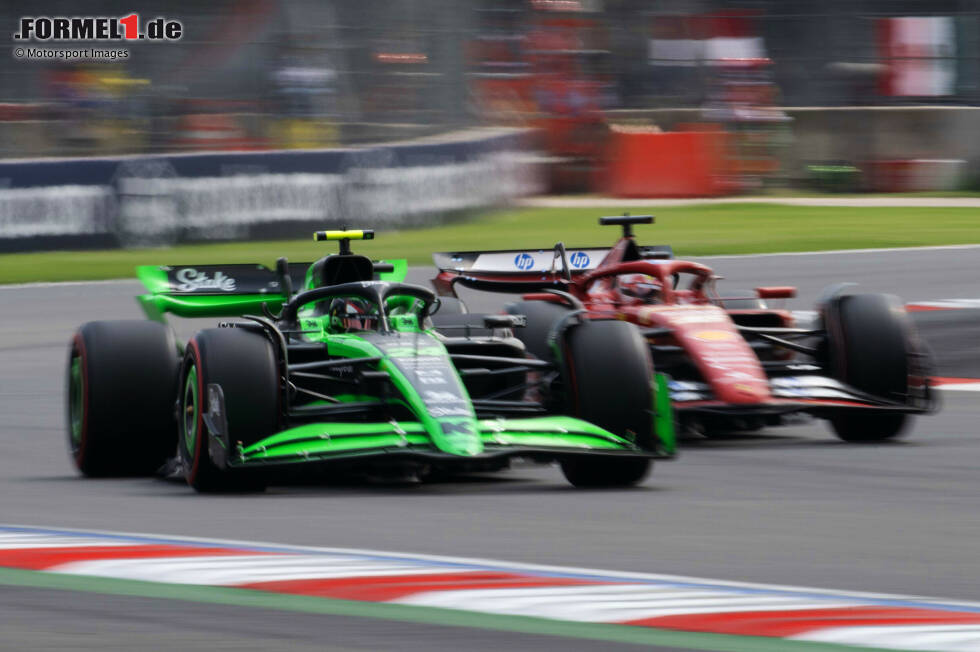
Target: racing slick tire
{"points": [[609, 379], [868, 342], [122, 376], [541, 317], [244, 364]]}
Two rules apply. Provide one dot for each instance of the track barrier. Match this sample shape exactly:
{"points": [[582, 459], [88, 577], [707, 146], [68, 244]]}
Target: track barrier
{"points": [[134, 201]]}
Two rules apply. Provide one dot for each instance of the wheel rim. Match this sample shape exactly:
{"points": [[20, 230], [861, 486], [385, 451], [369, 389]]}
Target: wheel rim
{"points": [[190, 410], [76, 401]]}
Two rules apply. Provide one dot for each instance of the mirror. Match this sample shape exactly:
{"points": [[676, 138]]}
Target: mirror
{"points": [[776, 292]]}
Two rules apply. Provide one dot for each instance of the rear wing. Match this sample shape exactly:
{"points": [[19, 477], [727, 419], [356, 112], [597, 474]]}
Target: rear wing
{"points": [[227, 290], [524, 270], [534, 261]]}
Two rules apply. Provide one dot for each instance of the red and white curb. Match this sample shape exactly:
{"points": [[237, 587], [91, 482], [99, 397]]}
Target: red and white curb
{"points": [[947, 304], [915, 306], [483, 586], [956, 384], [810, 316]]}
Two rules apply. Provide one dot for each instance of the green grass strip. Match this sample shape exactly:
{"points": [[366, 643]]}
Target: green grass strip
{"points": [[412, 614], [695, 230]]}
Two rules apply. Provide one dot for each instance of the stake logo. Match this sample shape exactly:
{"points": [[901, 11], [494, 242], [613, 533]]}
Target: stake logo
{"points": [[97, 28], [191, 280]]}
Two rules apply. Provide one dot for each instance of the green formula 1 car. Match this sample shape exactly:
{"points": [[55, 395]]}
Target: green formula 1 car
{"points": [[351, 375]]}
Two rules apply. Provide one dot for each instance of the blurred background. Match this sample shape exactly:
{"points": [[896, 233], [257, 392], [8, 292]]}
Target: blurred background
{"points": [[628, 98]]}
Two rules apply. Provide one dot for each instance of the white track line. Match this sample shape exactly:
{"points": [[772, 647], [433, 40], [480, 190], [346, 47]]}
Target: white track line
{"points": [[16, 541], [654, 202], [950, 638], [836, 252], [56, 284]]}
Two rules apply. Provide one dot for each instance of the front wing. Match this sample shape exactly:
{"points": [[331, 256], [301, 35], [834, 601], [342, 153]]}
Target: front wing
{"points": [[813, 393], [333, 442]]}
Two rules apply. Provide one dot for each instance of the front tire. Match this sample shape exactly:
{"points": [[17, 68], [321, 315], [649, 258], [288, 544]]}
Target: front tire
{"points": [[610, 377], [868, 426], [244, 365], [122, 376], [541, 318], [605, 473], [868, 347]]}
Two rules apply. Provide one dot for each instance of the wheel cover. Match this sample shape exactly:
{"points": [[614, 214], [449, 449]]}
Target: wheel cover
{"points": [[190, 410], [76, 400]]}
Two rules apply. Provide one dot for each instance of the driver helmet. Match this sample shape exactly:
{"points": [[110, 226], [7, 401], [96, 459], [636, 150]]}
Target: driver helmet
{"points": [[350, 314], [640, 286]]}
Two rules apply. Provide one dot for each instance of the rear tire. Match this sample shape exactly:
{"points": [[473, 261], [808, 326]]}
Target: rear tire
{"points": [[541, 317], [122, 378], [244, 365], [869, 348], [610, 376]]}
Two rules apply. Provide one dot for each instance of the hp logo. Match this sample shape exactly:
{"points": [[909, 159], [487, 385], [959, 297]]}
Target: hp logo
{"points": [[579, 260], [523, 261]]}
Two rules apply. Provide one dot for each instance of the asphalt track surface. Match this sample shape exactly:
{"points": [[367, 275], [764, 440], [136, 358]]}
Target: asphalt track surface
{"points": [[789, 506]]}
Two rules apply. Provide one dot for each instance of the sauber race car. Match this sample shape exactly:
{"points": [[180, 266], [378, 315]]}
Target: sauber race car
{"points": [[349, 375], [734, 363]]}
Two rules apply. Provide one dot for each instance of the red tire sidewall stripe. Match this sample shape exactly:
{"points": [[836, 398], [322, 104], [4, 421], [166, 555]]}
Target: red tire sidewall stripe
{"points": [[200, 434], [79, 344]]}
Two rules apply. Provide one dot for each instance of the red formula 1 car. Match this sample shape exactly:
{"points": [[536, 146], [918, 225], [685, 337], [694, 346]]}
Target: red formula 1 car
{"points": [[734, 363]]}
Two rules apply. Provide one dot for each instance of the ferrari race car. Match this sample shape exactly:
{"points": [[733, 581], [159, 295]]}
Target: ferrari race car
{"points": [[734, 364], [349, 374]]}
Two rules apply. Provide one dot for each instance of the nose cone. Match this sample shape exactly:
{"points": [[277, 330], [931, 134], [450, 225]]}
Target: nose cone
{"points": [[727, 362], [458, 436]]}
